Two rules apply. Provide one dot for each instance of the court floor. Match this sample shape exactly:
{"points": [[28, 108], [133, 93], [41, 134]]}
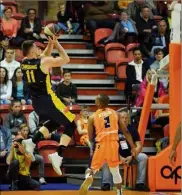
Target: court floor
{"points": [[90, 193]]}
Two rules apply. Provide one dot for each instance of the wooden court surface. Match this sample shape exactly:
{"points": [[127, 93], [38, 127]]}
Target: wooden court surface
{"points": [[90, 193]]}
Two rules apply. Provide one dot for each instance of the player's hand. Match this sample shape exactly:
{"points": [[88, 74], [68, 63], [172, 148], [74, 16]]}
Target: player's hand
{"points": [[172, 157], [52, 39]]}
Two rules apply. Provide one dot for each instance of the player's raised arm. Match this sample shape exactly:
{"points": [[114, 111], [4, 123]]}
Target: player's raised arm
{"points": [[127, 135], [50, 62]]}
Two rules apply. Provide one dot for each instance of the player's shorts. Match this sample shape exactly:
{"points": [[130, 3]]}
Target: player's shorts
{"points": [[105, 152], [83, 139], [50, 114]]}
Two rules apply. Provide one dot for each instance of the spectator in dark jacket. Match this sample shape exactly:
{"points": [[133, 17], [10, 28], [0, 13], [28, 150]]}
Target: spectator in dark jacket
{"points": [[5, 143], [135, 72], [20, 91], [15, 117], [66, 90], [134, 8], [145, 26], [65, 19], [161, 37], [31, 26]]}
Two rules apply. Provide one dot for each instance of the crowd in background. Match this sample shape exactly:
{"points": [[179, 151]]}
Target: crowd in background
{"points": [[135, 23]]}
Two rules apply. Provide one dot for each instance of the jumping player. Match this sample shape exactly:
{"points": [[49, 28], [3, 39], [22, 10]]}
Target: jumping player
{"points": [[105, 123], [45, 103]]}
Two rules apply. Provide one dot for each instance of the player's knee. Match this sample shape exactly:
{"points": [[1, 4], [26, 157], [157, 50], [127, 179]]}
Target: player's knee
{"points": [[116, 175], [70, 129]]}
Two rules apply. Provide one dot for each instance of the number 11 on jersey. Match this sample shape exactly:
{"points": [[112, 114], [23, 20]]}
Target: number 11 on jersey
{"points": [[30, 76]]}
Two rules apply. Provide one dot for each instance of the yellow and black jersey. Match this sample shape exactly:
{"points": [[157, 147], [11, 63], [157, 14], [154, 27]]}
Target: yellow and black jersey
{"points": [[38, 82]]}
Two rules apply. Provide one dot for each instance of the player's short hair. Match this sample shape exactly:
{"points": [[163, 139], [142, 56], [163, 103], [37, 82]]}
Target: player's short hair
{"points": [[145, 7], [83, 107], [104, 99], [66, 72], [26, 46]]}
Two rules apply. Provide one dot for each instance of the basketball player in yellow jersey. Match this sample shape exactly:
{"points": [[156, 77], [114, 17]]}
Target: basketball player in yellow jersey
{"points": [[19, 161], [51, 111], [105, 123]]}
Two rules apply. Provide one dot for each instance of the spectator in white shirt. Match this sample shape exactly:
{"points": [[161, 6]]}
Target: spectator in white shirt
{"points": [[5, 86], [9, 62], [135, 72], [33, 122]]}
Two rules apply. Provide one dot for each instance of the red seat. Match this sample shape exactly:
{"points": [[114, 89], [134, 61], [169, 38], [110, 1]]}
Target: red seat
{"points": [[9, 3], [47, 147], [166, 131], [114, 52], [121, 68], [157, 18], [100, 34], [129, 49], [18, 16]]}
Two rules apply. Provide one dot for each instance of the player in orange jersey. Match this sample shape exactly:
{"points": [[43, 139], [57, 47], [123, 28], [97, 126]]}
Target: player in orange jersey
{"points": [[105, 123], [82, 126]]}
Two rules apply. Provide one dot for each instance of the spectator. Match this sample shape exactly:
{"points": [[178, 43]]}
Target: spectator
{"points": [[161, 38], [20, 91], [159, 54], [5, 142], [122, 4], [56, 77], [145, 26], [24, 132], [19, 162], [65, 19], [15, 117], [135, 72], [159, 88], [4, 44], [82, 127], [33, 122], [66, 90], [9, 28], [123, 30], [9, 62], [31, 26], [96, 15], [134, 8], [126, 157], [6, 87], [168, 18], [1, 10]]}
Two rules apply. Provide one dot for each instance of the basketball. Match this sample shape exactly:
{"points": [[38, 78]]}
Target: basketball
{"points": [[51, 29]]}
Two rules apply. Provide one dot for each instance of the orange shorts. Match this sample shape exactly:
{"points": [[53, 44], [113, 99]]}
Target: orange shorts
{"points": [[83, 139], [105, 152]]}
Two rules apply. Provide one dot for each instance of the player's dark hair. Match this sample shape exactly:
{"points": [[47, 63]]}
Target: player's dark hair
{"points": [[145, 7], [157, 51], [66, 72], [26, 46], [104, 100], [136, 49]]}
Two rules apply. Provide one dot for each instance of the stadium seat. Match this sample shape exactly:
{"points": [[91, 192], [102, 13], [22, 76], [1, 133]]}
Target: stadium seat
{"points": [[47, 147], [114, 52], [157, 18], [18, 16], [166, 130], [9, 3], [100, 34], [121, 68], [129, 49]]}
